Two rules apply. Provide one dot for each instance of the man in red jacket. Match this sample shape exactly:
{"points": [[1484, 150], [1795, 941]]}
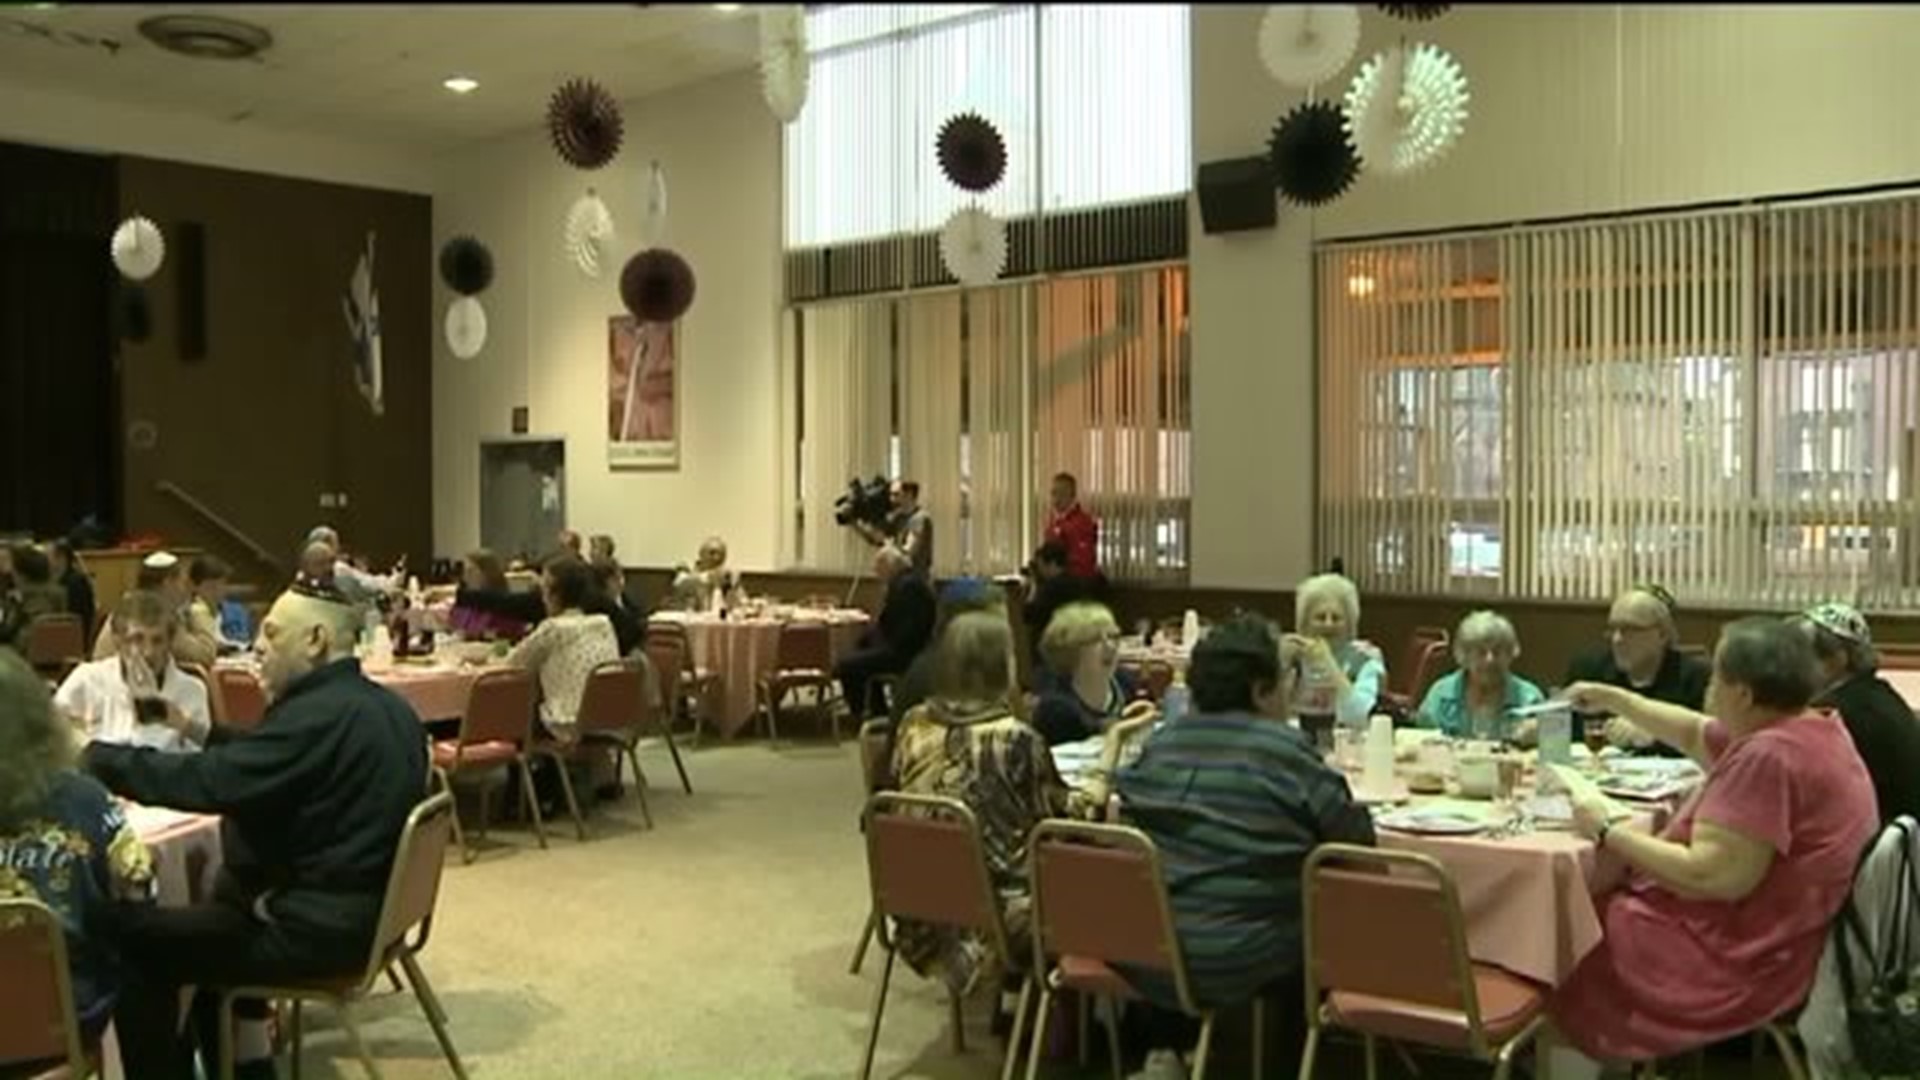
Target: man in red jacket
{"points": [[1074, 528]]}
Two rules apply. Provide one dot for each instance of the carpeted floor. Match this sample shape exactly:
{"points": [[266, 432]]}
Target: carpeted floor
{"points": [[714, 946]]}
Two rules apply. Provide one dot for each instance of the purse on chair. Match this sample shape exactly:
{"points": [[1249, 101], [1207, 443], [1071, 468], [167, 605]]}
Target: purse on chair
{"points": [[1883, 1017]]}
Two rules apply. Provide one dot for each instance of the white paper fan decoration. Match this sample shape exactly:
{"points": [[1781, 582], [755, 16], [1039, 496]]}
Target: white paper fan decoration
{"points": [[138, 248], [783, 59], [653, 219], [589, 229], [973, 244], [466, 327], [1406, 108], [1306, 44]]}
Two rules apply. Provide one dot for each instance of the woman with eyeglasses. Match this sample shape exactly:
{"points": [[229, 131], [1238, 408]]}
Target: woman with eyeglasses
{"points": [[1643, 655], [1082, 690], [1476, 701]]}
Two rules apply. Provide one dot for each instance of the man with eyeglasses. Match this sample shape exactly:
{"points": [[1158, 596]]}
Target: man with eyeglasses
{"points": [[1643, 655]]}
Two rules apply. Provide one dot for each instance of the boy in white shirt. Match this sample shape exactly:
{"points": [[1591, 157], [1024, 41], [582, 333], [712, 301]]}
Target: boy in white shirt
{"points": [[139, 697]]}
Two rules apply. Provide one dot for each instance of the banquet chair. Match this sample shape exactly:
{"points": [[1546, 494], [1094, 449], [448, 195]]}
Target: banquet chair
{"points": [[885, 685], [874, 738], [668, 644], [406, 922], [1099, 901], [611, 712], [926, 863], [37, 1021], [803, 660], [1386, 956], [496, 729], [1428, 659], [56, 644], [239, 701]]}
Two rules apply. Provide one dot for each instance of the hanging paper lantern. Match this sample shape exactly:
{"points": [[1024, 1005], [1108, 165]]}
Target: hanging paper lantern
{"points": [[466, 266], [1406, 108], [589, 228], [585, 124], [134, 313], [653, 220], [1313, 163], [972, 153], [973, 244], [138, 248], [1306, 44], [466, 327], [657, 285], [784, 63], [1415, 12]]}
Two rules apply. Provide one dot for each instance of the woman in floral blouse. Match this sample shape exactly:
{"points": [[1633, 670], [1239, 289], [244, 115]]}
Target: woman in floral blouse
{"points": [[64, 841]]}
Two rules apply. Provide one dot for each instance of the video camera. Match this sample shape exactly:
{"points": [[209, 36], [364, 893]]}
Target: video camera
{"points": [[869, 501]]}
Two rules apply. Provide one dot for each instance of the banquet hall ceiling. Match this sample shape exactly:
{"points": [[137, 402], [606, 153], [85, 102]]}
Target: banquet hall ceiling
{"points": [[373, 73]]}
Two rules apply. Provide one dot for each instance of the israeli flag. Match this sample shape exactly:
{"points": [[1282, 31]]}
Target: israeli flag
{"points": [[362, 306]]}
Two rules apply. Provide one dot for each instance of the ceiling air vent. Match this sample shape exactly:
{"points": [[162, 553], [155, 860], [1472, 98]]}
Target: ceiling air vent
{"points": [[207, 37]]}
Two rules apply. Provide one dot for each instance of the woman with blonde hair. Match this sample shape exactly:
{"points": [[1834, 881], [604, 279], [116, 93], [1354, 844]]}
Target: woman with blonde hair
{"points": [[1081, 690], [64, 841], [967, 744], [1340, 674]]}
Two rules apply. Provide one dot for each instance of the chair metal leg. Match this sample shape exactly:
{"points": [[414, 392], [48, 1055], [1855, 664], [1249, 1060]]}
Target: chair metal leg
{"points": [[1019, 1029], [1373, 1057], [394, 980], [866, 939], [1311, 1053], [573, 804], [1038, 1048], [353, 1035], [436, 1016], [533, 801], [957, 1016], [460, 836], [1203, 1049], [879, 1010], [1083, 1035], [486, 809], [640, 789], [298, 1040], [1113, 1036], [225, 1050], [1406, 1059], [666, 734], [1259, 1038]]}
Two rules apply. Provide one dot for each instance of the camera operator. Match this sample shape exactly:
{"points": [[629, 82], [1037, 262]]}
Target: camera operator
{"points": [[909, 527], [1051, 585]]}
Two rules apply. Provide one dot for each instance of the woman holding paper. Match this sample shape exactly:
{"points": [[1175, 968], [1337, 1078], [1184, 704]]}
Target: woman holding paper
{"points": [[1725, 912]]}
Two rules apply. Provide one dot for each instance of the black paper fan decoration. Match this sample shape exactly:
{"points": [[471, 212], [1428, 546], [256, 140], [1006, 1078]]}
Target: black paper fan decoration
{"points": [[972, 153], [585, 123], [134, 314], [657, 285], [466, 266], [1313, 162], [1416, 12]]}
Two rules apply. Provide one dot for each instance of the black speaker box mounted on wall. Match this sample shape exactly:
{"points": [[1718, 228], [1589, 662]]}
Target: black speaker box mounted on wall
{"points": [[189, 241], [1237, 195]]}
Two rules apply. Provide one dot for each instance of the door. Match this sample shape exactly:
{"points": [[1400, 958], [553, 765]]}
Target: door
{"points": [[522, 496]]}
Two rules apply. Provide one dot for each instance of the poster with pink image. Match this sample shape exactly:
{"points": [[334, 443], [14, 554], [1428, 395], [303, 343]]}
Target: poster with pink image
{"points": [[643, 393]]}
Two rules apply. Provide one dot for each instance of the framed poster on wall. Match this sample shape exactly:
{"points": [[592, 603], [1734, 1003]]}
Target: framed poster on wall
{"points": [[643, 394]]}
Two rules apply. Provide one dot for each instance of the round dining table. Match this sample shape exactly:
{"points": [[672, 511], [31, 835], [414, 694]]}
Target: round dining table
{"points": [[740, 650]]}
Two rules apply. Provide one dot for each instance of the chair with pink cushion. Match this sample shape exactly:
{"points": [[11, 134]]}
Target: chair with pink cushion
{"points": [[239, 701], [56, 644], [495, 730], [1099, 904], [803, 661], [612, 710], [37, 1022], [1386, 957]]}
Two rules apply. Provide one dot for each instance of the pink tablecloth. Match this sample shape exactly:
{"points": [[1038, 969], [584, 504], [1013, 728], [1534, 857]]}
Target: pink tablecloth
{"points": [[1906, 682], [436, 693], [740, 651], [1528, 900], [186, 852]]}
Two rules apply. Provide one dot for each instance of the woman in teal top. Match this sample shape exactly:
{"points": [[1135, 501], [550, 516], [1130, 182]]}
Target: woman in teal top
{"points": [[1475, 701]]}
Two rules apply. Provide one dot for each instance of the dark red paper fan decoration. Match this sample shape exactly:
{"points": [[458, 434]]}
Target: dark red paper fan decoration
{"points": [[1313, 163], [657, 285], [972, 153], [585, 123], [1416, 12]]}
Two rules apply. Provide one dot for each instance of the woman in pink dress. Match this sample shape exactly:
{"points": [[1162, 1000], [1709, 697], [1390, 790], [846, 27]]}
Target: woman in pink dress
{"points": [[1724, 914]]}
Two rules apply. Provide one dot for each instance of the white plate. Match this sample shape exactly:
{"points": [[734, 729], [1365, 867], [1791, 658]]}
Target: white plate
{"points": [[1430, 823]]}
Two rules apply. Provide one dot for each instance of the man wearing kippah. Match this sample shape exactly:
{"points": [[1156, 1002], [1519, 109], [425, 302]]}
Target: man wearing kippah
{"points": [[313, 800], [358, 586], [1643, 655], [163, 573], [1881, 722]]}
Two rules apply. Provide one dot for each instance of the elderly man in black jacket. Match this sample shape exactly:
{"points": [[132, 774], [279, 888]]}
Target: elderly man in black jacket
{"points": [[905, 623], [314, 801]]}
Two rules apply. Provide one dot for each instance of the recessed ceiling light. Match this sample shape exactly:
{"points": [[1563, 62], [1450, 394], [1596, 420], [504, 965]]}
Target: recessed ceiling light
{"points": [[460, 84]]}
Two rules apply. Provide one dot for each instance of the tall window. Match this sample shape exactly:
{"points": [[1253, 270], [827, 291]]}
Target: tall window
{"points": [[1723, 402], [982, 396]]}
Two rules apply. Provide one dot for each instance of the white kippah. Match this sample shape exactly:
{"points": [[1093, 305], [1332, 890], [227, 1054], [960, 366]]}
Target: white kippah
{"points": [[161, 560]]}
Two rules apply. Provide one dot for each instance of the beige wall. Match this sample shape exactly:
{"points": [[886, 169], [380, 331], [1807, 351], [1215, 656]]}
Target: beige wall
{"points": [[547, 326], [1575, 110]]}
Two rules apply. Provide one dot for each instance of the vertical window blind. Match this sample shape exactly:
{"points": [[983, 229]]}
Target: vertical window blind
{"points": [[982, 396], [1721, 401]]}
